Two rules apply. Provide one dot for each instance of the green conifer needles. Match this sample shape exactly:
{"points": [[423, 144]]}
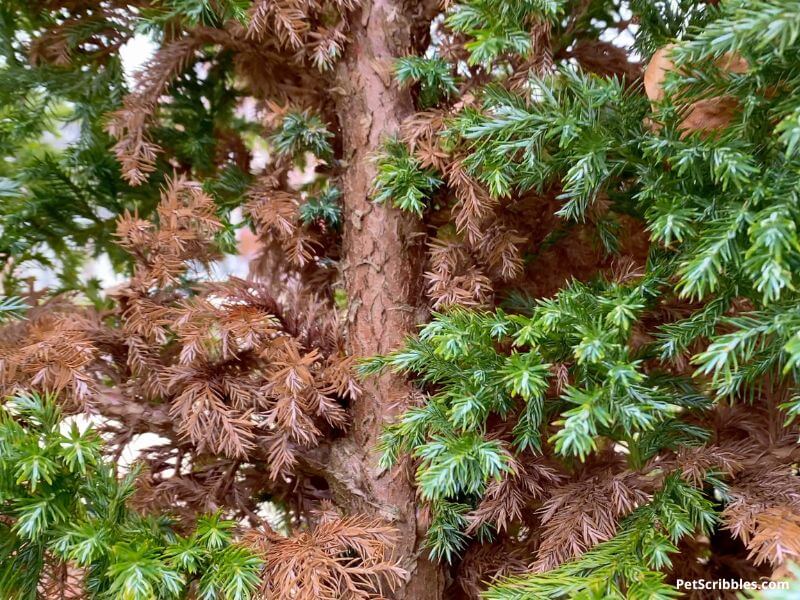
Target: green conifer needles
{"points": [[60, 502]]}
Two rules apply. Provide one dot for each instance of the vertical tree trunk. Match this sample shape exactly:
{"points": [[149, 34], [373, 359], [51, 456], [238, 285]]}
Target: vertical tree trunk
{"points": [[383, 258]]}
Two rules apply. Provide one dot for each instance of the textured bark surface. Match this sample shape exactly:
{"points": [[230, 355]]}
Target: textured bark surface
{"points": [[383, 258]]}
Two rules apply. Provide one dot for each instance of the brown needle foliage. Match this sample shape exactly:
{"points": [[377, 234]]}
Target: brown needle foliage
{"points": [[239, 393], [224, 363], [339, 559]]}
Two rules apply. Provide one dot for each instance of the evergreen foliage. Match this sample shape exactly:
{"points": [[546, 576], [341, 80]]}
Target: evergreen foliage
{"points": [[628, 565], [301, 132], [594, 207], [11, 307], [61, 502], [706, 161], [324, 207], [433, 75], [60, 201], [402, 179]]}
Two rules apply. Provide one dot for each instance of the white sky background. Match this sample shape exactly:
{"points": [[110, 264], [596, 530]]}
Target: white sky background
{"points": [[135, 54]]}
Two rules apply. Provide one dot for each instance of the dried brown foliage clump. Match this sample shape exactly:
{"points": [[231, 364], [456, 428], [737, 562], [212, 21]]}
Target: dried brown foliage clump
{"points": [[276, 220], [508, 500], [339, 559], [248, 383], [585, 513], [221, 369], [272, 54]]}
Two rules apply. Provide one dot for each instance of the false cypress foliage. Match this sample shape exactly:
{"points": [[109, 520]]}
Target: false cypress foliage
{"points": [[631, 425], [706, 159], [66, 521], [61, 75], [227, 79], [68, 106]]}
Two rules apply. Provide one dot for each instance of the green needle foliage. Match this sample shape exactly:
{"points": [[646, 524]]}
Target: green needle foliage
{"points": [[323, 206], [704, 157], [402, 180], [301, 132], [500, 28], [610, 395], [627, 566], [595, 208], [434, 76], [61, 501], [61, 188], [11, 307], [199, 12], [580, 130]]}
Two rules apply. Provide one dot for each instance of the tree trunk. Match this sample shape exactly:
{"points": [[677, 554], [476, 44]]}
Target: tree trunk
{"points": [[383, 254]]}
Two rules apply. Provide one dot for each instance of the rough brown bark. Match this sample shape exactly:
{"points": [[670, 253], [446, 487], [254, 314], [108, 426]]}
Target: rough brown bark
{"points": [[382, 262]]}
